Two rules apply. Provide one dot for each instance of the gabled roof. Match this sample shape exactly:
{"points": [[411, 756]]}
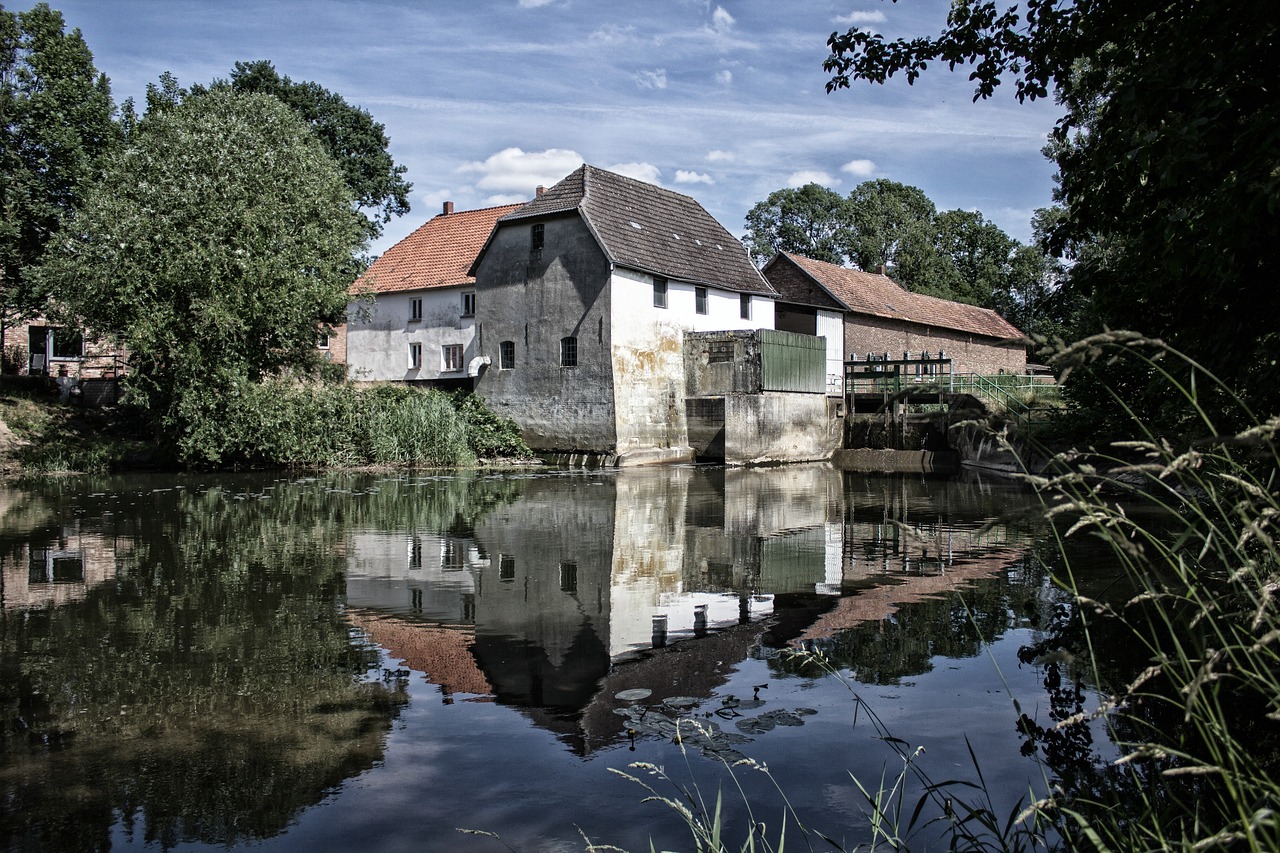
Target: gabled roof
{"points": [[651, 229], [438, 254], [880, 296]]}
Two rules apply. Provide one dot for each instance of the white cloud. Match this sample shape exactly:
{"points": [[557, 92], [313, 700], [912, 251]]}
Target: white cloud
{"points": [[518, 173], [854, 19], [718, 156], [612, 34], [859, 168], [534, 4], [683, 176], [721, 21], [656, 79], [724, 77], [646, 172], [809, 176]]}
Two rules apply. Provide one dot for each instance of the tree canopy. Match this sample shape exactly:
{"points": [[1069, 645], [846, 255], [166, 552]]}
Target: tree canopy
{"points": [[1166, 152], [55, 123], [215, 244], [953, 254]]}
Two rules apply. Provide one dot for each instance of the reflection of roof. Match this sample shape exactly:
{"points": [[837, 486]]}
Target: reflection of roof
{"points": [[880, 296], [652, 229], [444, 654], [437, 254], [882, 601]]}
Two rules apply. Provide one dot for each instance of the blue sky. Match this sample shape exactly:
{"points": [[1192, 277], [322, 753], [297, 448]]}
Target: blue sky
{"points": [[725, 101]]}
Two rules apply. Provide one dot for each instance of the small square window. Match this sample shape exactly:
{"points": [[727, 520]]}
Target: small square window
{"points": [[415, 356], [744, 305], [700, 299], [415, 310], [659, 292], [469, 304], [451, 357], [507, 355], [322, 340], [569, 352], [65, 344]]}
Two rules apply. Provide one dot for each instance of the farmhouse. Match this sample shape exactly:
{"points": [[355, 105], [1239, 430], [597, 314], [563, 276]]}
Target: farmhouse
{"points": [[861, 313], [584, 296], [419, 326]]}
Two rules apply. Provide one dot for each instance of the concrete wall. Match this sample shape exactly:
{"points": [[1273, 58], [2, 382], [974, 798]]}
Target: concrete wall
{"points": [[534, 303], [970, 353], [379, 334]]}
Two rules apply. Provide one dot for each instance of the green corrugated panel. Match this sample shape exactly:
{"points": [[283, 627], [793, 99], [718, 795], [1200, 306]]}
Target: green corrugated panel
{"points": [[792, 362]]}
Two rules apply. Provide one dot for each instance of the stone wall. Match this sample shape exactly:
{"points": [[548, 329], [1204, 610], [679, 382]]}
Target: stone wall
{"points": [[969, 353]]}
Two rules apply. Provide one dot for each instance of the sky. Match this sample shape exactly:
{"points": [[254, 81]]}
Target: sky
{"points": [[484, 100]]}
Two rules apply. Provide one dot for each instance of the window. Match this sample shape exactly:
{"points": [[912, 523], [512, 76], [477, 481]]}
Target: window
{"points": [[506, 567], [744, 306], [451, 357], [536, 238], [700, 300], [659, 292], [415, 356], [469, 304], [569, 577], [415, 553], [322, 341], [453, 556], [415, 310], [569, 352], [507, 355]]}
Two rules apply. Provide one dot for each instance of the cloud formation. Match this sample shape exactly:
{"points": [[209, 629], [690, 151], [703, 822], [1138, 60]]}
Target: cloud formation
{"points": [[655, 79], [859, 168], [515, 171], [854, 19], [684, 176], [809, 176]]}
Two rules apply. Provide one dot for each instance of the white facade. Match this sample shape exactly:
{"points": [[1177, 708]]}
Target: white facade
{"points": [[831, 326], [414, 335], [648, 352]]}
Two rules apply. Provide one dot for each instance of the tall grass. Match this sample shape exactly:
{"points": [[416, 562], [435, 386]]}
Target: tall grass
{"points": [[1199, 726]]}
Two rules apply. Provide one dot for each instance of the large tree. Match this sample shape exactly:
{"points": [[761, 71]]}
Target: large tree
{"points": [[1166, 150], [55, 124], [214, 245], [810, 220]]}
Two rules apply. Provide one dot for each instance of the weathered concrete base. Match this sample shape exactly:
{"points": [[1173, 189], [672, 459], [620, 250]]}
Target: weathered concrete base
{"points": [[898, 461], [654, 456]]}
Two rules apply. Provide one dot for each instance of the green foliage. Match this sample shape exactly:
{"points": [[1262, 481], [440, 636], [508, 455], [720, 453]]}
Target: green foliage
{"points": [[1165, 151], [1198, 724], [489, 434], [357, 143], [809, 221], [55, 125], [213, 246], [953, 254]]}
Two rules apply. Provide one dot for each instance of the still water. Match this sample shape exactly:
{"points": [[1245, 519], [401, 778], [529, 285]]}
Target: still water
{"points": [[373, 662]]}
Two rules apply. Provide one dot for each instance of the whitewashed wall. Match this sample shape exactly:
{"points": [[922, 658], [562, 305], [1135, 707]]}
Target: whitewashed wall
{"points": [[831, 327], [648, 358], [379, 334]]}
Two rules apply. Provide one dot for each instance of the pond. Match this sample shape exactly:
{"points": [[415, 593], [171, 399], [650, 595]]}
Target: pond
{"points": [[376, 662]]}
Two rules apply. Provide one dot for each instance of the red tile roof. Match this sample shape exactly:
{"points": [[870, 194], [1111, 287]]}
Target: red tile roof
{"points": [[880, 296], [437, 254]]}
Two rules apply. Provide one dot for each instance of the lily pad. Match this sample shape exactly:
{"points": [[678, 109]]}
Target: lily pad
{"points": [[634, 695], [681, 701], [755, 725]]}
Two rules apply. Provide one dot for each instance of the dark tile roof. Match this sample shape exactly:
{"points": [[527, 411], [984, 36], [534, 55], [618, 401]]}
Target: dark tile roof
{"points": [[437, 254], [651, 229], [880, 296]]}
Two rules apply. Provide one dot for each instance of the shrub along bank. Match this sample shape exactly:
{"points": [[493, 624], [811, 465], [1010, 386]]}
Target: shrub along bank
{"points": [[276, 423]]}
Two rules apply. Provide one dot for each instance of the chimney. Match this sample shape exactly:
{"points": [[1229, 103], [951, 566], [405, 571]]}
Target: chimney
{"points": [[539, 191], [448, 208]]}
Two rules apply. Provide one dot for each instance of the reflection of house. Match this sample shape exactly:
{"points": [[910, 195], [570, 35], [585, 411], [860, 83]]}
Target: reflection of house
{"points": [[585, 295], [420, 325], [862, 313], [54, 569]]}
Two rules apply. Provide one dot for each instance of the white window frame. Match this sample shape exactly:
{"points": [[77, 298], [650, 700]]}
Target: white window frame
{"points": [[451, 356], [469, 304], [415, 356]]}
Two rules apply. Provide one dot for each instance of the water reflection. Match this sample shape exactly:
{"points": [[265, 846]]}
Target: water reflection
{"points": [[205, 659]]}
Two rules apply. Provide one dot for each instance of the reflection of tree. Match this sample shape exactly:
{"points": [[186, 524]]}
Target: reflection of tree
{"points": [[213, 690]]}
